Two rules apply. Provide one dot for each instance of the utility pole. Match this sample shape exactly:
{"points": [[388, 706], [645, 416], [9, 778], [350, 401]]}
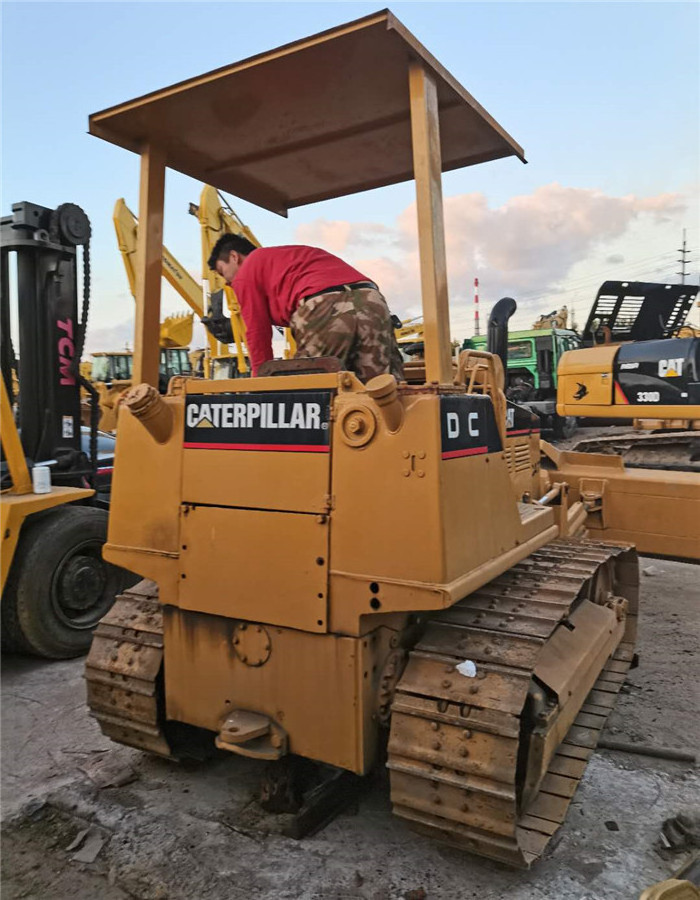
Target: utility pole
{"points": [[685, 258], [477, 330]]}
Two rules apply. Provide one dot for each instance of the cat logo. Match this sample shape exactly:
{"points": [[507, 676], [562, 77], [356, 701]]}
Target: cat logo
{"points": [[279, 421], [581, 392], [670, 368]]}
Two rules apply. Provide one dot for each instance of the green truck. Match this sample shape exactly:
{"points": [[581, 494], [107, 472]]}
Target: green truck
{"points": [[531, 380]]}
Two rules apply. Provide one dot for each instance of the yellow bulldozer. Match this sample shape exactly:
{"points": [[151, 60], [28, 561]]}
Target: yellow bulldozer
{"points": [[342, 573]]}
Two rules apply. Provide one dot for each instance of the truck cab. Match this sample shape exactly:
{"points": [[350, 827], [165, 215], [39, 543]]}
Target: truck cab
{"points": [[531, 377]]}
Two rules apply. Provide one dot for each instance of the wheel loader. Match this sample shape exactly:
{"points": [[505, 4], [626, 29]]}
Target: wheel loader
{"points": [[337, 573]]}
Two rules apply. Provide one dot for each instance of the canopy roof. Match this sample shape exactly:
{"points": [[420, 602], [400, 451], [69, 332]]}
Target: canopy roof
{"points": [[319, 118]]}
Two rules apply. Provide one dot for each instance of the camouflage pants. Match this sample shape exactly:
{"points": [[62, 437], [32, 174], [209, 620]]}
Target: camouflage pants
{"points": [[354, 326]]}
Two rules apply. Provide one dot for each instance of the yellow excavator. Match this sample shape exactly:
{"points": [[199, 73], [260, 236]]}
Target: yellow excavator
{"points": [[216, 218], [335, 571], [640, 365], [111, 372], [126, 228], [207, 301], [640, 361]]}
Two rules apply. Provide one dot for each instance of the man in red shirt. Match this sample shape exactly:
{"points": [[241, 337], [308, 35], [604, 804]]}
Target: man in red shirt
{"points": [[331, 308]]}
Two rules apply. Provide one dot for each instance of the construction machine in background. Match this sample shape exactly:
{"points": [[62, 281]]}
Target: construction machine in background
{"points": [[409, 336], [55, 583], [635, 369], [194, 294], [369, 581], [639, 362], [110, 373], [531, 373], [640, 365], [214, 302], [216, 220]]}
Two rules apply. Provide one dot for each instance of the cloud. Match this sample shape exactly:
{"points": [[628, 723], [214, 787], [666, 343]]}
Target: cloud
{"points": [[525, 247], [338, 236], [113, 337]]}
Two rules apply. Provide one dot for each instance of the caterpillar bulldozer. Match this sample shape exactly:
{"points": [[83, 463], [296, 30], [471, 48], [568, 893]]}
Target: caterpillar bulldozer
{"points": [[56, 585], [337, 573]]}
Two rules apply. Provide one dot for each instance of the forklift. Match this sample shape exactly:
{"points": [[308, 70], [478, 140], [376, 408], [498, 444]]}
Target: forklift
{"points": [[55, 584]]}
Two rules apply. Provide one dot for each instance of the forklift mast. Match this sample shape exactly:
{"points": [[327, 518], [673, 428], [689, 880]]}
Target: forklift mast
{"points": [[44, 243]]}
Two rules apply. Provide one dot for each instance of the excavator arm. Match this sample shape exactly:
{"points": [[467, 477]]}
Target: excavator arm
{"points": [[216, 220], [175, 330]]}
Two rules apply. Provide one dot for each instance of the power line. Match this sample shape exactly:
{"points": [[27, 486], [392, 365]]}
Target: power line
{"points": [[582, 283], [600, 275], [683, 261]]}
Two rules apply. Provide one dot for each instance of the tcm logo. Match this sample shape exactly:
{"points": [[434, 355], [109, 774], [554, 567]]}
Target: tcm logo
{"points": [[453, 425], [255, 415], [66, 352], [670, 368]]}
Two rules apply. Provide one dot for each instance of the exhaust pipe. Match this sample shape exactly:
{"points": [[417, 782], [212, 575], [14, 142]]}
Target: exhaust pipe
{"points": [[497, 335]]}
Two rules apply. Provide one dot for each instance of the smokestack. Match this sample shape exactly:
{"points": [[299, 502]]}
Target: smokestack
{"points": [[477, 330]]}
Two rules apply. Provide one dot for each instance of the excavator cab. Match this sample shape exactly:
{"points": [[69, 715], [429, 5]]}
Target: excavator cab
{"points": [[334, 569]]}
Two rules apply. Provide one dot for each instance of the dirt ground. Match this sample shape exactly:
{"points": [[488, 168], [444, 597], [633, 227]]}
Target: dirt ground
{"points": [[174, 831]]}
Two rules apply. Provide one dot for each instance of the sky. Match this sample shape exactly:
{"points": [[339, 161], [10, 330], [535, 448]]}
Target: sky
{"points": [[603, 97]]}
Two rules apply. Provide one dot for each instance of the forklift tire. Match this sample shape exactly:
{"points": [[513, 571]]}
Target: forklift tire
{"points": [[59, 586]]}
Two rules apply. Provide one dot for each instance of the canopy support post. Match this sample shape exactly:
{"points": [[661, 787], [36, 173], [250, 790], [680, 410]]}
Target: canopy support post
{"points": [[149, 266], [427, 166]]}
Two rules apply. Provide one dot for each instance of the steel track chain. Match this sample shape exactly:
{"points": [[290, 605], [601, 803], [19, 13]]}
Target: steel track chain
{"points": [[452, 764], [453, 746], [123, 671]]}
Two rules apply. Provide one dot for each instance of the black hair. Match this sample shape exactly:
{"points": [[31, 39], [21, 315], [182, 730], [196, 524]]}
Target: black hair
{"points": [[227, 243]]}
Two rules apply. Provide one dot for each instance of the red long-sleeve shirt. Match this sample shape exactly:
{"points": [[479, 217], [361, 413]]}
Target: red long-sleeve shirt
{"points": [[271, 282]]}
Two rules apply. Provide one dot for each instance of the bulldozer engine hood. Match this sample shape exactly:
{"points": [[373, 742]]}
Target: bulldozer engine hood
{"points": [[296, 421], [658, 372]]}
